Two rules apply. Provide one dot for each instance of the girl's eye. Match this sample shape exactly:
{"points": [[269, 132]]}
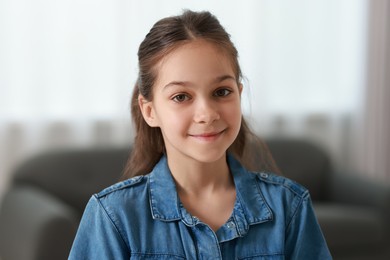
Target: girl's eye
{"points": [[180, 98], [222, 92]]}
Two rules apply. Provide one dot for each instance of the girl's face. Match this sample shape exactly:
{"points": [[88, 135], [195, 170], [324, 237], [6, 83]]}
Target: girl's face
{"points": [[196, 103]]}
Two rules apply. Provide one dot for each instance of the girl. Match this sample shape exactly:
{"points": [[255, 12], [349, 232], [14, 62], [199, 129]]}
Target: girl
{"points": [[186, 193]]}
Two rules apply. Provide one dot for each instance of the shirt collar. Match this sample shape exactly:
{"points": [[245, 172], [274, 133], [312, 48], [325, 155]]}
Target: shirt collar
{"points": [[165, 203], [249, 195]]}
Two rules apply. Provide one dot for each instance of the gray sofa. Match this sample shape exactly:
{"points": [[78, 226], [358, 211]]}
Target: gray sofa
{"points": [[39, 215]]}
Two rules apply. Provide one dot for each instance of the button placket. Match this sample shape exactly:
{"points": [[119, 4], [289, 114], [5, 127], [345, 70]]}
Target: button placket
{"points": [[230, 224], [264, 175]]}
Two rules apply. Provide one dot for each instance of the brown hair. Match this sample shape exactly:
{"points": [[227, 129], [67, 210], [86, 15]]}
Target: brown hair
{"points": [[166, 35]]}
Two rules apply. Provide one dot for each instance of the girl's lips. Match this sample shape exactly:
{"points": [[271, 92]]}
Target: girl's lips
{"points": [[208, 136]]}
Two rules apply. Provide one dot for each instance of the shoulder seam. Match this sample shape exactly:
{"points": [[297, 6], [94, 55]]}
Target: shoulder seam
{"points": [[119, 186], [265, 177], [302, 199], [112, 223]]}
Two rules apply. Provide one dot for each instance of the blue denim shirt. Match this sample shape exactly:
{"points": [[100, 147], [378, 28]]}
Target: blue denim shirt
{"points": [[143, 218]]}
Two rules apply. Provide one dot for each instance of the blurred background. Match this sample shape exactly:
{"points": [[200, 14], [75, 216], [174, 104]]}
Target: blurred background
{"points": [[313, 69]]}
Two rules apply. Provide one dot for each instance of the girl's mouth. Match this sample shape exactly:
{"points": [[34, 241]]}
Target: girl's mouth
{"points": [[208, 136]]}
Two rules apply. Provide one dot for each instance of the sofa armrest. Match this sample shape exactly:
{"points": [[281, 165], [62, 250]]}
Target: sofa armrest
{"points": [[347, 188], [35, 225]]}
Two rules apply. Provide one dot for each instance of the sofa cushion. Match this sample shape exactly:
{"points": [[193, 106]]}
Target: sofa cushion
{"points": [[73, 176], [304, 163]]}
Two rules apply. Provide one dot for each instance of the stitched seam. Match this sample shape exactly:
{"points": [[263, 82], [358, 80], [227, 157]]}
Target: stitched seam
{"points": [[299, 205], [156, 254], [302, 195], [113, 224], [257, 255], [119, 186]]}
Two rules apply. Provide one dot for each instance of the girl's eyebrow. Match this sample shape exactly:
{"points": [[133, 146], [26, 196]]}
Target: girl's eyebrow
{"points": [[177, 83], [187, 83], [224, 77]]}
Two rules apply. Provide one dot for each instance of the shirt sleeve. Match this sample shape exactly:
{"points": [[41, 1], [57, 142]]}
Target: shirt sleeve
{"points": [[97, 237], [304, 238]]}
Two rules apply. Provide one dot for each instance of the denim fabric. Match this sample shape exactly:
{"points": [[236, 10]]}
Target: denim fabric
{"points": [[143, 218]]}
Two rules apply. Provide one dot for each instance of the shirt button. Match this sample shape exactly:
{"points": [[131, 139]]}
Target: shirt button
{"points": [[264, 175], [230, 224]]}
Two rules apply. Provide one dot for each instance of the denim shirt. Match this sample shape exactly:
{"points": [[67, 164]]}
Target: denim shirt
{"points": [[143, 218]]}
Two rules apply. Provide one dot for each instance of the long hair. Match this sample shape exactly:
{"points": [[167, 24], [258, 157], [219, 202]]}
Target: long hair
{"points": [[165, 36]]}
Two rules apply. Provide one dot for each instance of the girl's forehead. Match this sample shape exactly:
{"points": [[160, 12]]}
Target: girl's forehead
{"points": [[194, 60], [191, 53], [197, 45]]}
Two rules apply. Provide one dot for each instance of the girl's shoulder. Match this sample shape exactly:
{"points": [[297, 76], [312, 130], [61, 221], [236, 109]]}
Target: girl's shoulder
{"points": [[123, 185], [274, 182], [130, 186], [131, 194]]}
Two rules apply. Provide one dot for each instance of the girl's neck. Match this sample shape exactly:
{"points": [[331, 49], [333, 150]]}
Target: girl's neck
{"points": [[196, 178], [206, 190]]}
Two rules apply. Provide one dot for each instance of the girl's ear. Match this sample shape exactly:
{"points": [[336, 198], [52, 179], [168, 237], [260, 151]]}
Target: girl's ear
{"points": [[147, 111], [240, 87]]}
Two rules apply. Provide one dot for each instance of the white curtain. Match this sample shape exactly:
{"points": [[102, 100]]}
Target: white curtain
{"points": [[374, 155], [67, 70]]}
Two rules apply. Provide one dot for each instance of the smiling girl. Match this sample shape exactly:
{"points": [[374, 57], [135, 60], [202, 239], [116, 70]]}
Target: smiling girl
{"points": [[187, 193]]}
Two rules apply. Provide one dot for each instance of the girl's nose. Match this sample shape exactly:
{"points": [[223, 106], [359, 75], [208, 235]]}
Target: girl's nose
{"points": [[206, 112]]}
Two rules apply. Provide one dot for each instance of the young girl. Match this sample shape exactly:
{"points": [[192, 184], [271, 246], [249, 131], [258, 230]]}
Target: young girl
{"points": [[186, 193]]}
